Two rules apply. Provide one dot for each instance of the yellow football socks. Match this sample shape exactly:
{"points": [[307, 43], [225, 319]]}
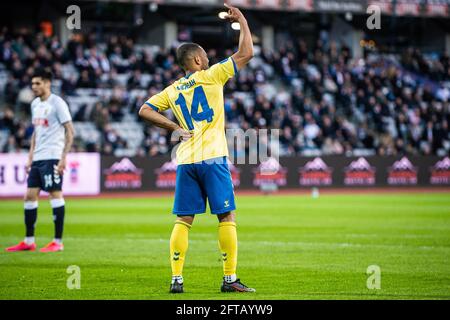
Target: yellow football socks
{"points": [[228, 247], [179, 242]]}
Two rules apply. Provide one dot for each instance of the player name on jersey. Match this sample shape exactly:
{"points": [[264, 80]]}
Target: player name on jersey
{"points": [[185, 86]]}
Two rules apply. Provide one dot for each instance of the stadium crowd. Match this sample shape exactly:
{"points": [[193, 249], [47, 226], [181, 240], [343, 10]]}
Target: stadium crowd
{"points": [[321, 98]]}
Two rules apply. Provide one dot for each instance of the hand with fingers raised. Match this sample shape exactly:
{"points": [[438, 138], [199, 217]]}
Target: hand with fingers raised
{"points": [[234, 14]]}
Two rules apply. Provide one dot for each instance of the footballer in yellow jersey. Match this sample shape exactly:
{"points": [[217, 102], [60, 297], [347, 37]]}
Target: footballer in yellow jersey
{"points": [[203, 175], [197, 102]]}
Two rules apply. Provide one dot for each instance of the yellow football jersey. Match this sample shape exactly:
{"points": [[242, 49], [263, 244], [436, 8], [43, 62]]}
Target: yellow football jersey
{"points": [[197, 102]]}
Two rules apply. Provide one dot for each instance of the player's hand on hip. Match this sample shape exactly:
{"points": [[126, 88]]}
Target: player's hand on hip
{"points": [[234, 14], [61, 166], [181, 135]]}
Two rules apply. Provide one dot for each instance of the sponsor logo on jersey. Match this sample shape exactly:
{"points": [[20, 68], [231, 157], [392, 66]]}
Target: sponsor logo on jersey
{"points": [[40, 122]]}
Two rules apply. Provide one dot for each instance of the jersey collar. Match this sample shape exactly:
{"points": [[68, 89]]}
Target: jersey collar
{"points": [[40, 100]]}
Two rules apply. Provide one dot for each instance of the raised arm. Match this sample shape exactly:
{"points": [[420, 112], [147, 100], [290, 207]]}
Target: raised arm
{"points": [[245, 50]]}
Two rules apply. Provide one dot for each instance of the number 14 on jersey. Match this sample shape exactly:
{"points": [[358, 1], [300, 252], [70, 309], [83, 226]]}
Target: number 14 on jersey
{"points": [[198, 100]]}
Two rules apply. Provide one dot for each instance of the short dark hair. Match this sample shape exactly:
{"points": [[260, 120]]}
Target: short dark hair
{"points": [[45, 74], [184, 52]]}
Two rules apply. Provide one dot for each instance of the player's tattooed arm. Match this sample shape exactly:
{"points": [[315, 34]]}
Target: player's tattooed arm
{"points": [[161, 121], [68, 140], [30, 154], [245, 50]]}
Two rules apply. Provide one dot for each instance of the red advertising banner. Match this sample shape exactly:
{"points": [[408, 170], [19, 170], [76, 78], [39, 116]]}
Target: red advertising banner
{"points": [[440, 172], [166, 175], [123, 174], [359, 172], [437, 8], [386, 6], [430, 8], [285, 5], [408, 7], [270, 172], [402, 172], [304, 5], [316, 173], [159, 173]]}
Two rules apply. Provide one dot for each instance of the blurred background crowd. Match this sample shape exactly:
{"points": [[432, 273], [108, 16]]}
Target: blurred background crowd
{"points": [[321, 98]]}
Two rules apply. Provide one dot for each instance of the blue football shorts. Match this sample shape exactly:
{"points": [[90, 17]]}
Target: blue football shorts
{"points": [[197, 182]]}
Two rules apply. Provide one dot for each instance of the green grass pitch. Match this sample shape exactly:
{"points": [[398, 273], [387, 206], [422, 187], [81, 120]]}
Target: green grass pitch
{"points": [[290, 247]]}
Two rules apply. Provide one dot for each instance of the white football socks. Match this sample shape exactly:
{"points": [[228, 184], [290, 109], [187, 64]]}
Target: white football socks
{"points": [[177, 278], [29, 240], [230, 278]]}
